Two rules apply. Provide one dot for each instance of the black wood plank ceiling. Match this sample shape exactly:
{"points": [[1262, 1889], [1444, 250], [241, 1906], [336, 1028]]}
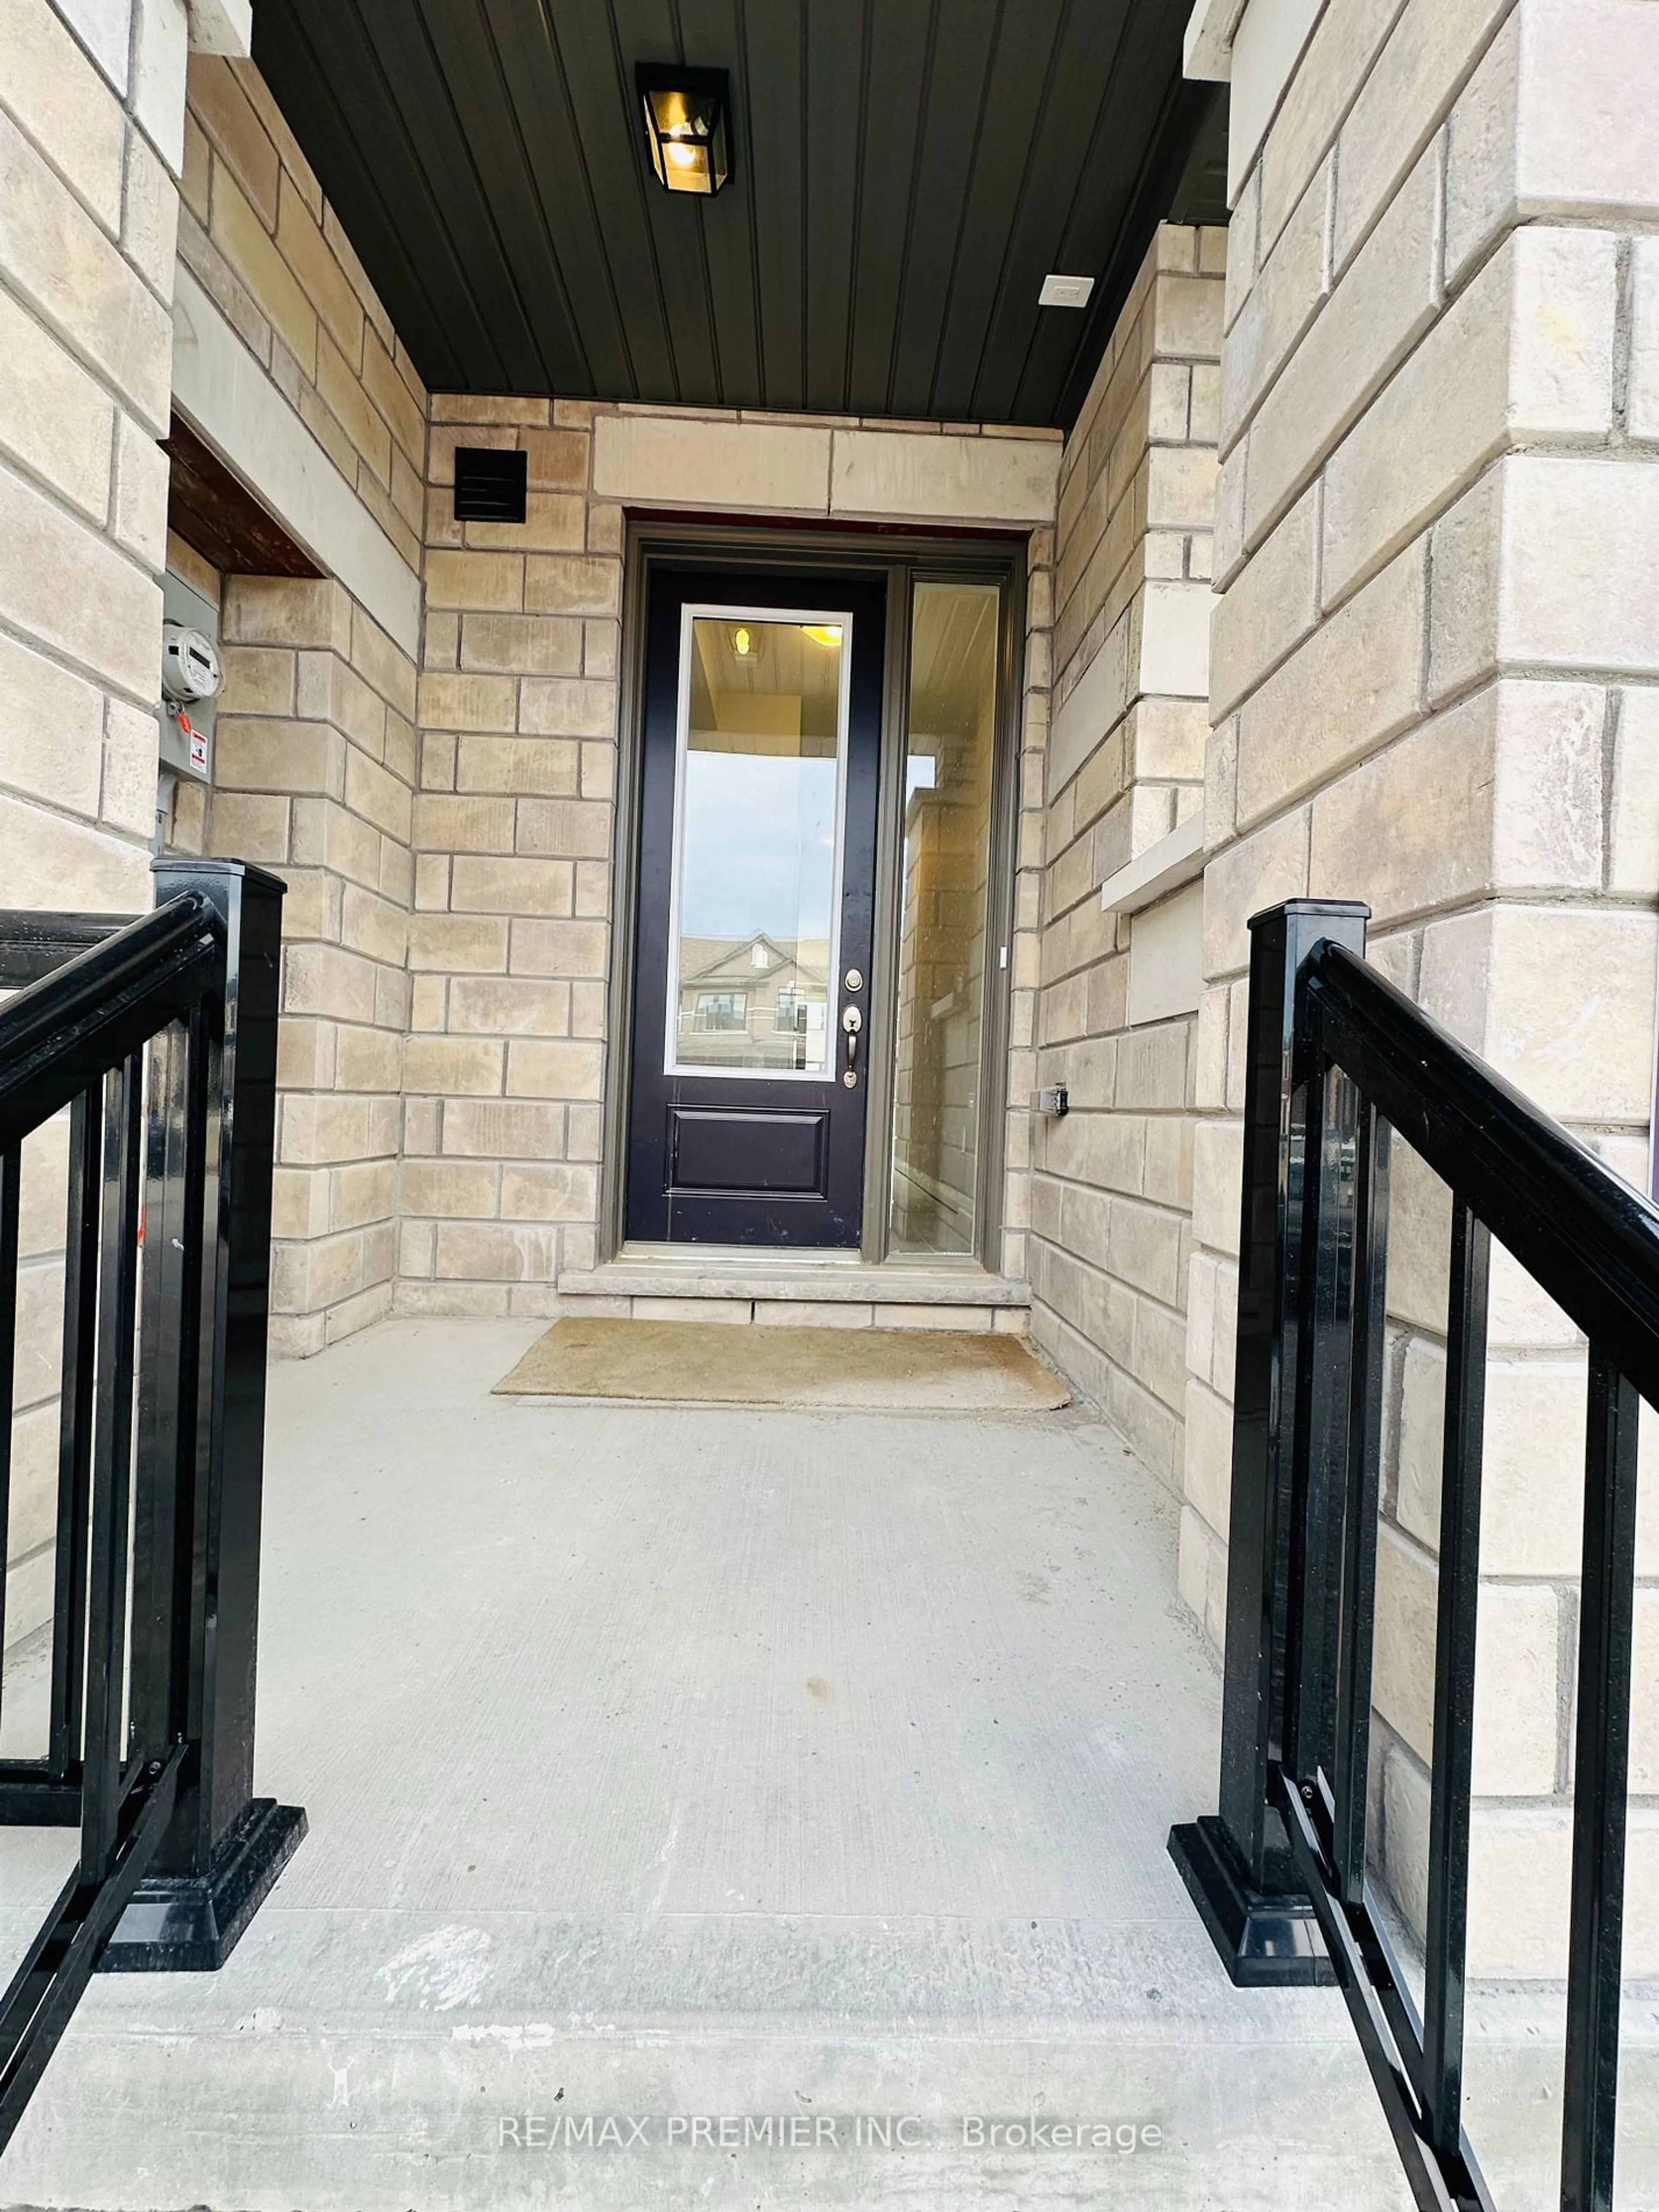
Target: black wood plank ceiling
{"points": [[905, 172]]}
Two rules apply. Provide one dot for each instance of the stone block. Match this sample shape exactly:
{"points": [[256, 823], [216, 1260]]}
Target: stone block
{"points": [[1560, 120], [1282, 303], [889, 473], [138, 510], [555, 522], [509, 1007], [567, 706], [448, 825], [1559, 539], [569, 1068], [570, 584], [485, 1251], [1209, 1455], [257, 680], [1170, 639], [1643, 391], [287, 610], [444, 943], [557, 460], [557, 1191], [63, 583], [543, 766], [1559, 1000], [514, 885], [559, 948], [1364, 329], [734, 1312], [453, 1188], [530, 645], [1516, 774], [1267, 608], [341, 390], [1430, 52], [1217, 1170], [1525, 352], [469, 702], [1355, 684], [241, 236], [1258, 871], [1345, 42], [150, 217], [492, 581], [51, 731], [682, 460], [453, 1066], [54, 861], [325, 284], [323, 1129], [131, 738], [253, 754], [503, 1129], [223, 111], [57, 95], [1633, 826]]}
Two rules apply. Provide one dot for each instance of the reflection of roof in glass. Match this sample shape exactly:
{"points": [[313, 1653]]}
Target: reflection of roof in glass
{"points": [[702, 958]]}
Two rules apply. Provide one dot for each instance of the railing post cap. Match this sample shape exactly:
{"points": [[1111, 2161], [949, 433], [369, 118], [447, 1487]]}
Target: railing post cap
{"points": [[1345, 910], [187, 864]]}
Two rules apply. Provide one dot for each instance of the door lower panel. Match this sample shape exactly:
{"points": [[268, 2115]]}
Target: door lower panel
{"points": [[716, 1149]]}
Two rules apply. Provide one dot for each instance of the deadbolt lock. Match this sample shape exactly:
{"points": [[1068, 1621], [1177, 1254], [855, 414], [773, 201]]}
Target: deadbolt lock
{"points": [[854, 980]]}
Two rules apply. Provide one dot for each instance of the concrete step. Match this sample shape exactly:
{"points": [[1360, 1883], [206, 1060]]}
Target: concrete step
{"points": [[774, 1288], [346, 2061]]}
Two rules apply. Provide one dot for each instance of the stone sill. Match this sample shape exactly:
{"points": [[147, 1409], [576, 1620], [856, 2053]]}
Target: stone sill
{"points": [[818, 1282], [1175, 860]]}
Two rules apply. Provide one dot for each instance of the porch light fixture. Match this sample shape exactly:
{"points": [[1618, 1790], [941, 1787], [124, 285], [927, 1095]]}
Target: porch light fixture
{"points": [[823, 633], [685, 111]]}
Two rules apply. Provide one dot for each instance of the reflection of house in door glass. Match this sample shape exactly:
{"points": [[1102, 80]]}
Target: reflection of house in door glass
{"points": [[754, 928], [752, 1002]]}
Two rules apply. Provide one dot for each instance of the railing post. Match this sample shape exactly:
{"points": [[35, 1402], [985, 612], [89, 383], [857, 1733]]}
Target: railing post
{"points": [[1237, 1864], [225, 1847]]}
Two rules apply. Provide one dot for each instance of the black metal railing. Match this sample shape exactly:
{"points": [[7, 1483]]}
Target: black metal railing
{"points": [[156, 1039], [1337, 1060]]}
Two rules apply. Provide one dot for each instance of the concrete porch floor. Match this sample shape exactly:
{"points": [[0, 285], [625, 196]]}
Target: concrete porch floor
{"points": [[664, 1763]]}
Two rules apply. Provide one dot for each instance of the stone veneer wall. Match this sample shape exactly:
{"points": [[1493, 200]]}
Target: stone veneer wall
{"points": [[1436, 687], [91, 139], [315, 755], [1112, 1186], [259, 236], [510, 938]]}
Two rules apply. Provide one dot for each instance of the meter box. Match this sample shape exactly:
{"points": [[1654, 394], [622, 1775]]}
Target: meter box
{"points": [[191, 678]]}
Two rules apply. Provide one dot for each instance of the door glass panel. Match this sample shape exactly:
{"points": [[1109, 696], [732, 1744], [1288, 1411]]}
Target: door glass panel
{"points": [[753, 938], [947, 852]]}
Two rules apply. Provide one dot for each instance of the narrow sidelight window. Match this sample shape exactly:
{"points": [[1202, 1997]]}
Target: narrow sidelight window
{"points": [[939, 1045]]}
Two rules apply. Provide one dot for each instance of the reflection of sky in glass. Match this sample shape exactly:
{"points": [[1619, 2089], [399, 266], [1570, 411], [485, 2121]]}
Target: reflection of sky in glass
{"points": [[760, 845]]}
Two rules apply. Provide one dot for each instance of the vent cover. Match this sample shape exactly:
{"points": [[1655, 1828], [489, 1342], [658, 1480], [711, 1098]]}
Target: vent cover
{"points": [[490, 485]]}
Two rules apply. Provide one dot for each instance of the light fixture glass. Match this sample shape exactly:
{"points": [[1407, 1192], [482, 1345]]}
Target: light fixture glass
{"points": [[684, 111], [823, 633]]}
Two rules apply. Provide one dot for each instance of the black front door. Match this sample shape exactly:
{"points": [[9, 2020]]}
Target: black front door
{"points": [[758, 846]]}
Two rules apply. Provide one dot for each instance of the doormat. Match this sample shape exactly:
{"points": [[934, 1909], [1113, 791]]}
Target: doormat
{"points": [[731, 1364]]}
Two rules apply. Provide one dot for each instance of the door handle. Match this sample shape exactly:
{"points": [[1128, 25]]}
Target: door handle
{"points": [[852, 1021]]}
